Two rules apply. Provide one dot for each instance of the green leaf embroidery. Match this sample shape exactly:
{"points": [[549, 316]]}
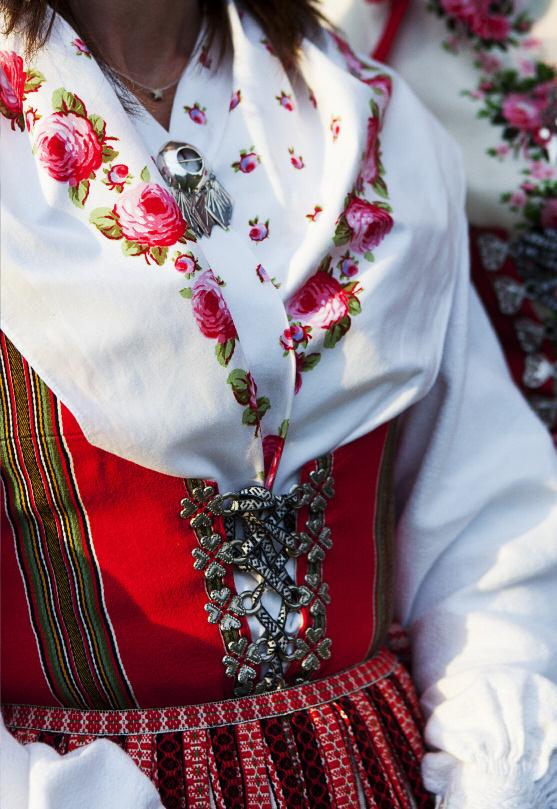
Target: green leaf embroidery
{"points": [[98, 125], [79, 193], [337, 332], [310, 361], [107, 222], [186, 292], [380, 188], [108, 153], [354, 305], [283, 429], [239, 382], [33, 80], [130, 248], [369, 256], [64, 101], [145, 175], [343, 233], [159, 254], [224, 351]]}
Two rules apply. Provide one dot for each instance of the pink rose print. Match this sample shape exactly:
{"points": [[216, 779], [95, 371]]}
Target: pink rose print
{"points": [[148, 215], [197, 113], [335, 127], [548, 217], [210, 310], [15, 84], [12, 83], [235, 100], [364, 225], [313, 216], [296, 160], [117, 176], [248, 161], [524, 111], [259, 231], [295, 336], [81, 48], [68, 147], [285, 101], [320, 302], [348, 265], [187, 264]]}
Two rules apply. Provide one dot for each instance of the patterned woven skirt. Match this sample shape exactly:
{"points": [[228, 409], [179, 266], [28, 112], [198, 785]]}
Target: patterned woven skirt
{"points": [[352, 739]]}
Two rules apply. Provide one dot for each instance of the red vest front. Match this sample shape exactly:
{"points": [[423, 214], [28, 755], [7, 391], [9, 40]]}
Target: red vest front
{"points": [[102, 604]]}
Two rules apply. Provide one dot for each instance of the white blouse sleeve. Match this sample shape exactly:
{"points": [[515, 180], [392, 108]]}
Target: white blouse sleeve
{"points": [[97, 776], [477, 573]]}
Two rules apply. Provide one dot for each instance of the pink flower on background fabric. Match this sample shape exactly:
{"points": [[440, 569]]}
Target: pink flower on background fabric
{"points": [[210, 310], [542, 170], [524, 111], [368, 222], [68, 147], [461, 9], [148, 214], [518, 199], [116, 176], [12, 83], [259, 231], [548, 216], [494, 27], [488, 62], [321, 301]]}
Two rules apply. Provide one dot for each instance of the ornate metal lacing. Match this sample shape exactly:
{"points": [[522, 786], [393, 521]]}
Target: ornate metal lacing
{"points": [[260, 539]]}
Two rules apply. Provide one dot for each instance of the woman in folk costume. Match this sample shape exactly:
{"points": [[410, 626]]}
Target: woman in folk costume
{"points": [[251, 413], [495, 88]]}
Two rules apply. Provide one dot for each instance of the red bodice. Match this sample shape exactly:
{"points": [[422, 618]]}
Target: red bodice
{"points": [[102, 604]]}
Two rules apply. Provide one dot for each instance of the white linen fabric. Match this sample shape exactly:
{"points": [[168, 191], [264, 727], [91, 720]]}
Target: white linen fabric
{"points": [[92, 301]]}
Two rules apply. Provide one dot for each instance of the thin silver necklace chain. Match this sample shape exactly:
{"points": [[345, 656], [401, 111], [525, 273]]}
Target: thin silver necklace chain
{"points": [[156, 92]]}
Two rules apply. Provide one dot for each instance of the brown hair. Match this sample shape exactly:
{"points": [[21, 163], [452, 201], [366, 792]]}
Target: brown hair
{"points": [[284, 22]]}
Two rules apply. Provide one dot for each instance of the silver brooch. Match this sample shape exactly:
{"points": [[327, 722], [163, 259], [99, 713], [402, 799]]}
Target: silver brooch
{"points": [[203, 200]]}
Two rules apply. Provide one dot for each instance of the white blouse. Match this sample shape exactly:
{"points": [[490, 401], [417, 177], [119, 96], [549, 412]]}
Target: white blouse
{"points": [[267, 338]]}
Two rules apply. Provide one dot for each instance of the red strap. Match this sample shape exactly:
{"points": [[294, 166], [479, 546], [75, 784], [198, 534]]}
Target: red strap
{"points": [[396, 15]]}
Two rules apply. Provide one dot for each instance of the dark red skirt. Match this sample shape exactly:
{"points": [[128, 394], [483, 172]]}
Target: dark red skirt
{"points": [[351, 739]]}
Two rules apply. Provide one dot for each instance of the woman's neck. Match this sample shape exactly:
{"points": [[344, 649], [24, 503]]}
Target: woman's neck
{"points": [[148, 41]]}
